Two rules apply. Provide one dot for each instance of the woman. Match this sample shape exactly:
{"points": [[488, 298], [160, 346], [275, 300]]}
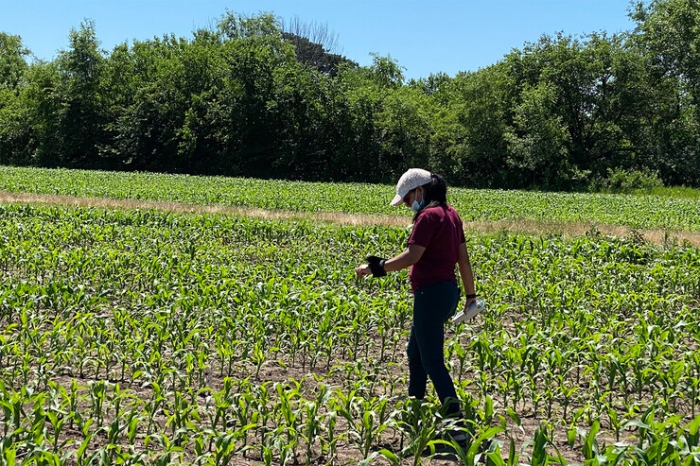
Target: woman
{"points": [[435, 245]]}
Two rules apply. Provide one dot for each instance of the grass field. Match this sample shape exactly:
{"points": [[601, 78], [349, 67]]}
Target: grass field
{"points": [[132, 335]]}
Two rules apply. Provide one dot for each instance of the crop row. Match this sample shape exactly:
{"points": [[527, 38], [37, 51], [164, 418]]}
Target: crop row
{"points": [[132, 336], [640, 212]]}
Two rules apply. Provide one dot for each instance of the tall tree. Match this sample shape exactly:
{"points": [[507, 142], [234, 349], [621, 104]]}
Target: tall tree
{"points": [[256, 58], [474, 145], [73, 121], [15, 134], [13, 62], [667, 36]]}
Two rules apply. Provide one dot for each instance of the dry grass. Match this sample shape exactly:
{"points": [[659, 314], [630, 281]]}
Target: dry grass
{"points": [[524, 226]]}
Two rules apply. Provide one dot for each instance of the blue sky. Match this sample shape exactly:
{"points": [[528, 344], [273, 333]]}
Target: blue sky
{"points": [[424, 37]]}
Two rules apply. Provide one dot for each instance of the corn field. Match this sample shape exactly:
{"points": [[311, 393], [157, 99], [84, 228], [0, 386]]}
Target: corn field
{"points": [[134, 336]]}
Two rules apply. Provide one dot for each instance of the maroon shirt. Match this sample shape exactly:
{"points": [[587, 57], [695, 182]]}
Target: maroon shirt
{"points": [[439, 230]]}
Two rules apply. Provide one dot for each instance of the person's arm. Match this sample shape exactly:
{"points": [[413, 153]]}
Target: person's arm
{"points": [[407, 258], [465, 273]]}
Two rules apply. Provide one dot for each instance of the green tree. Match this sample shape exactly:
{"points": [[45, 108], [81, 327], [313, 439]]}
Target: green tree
{"points": [[14, 133], [669, 30], [163, 100], [472, 115], [597, 92], [256, 61], [67, 103], [405, 129], [538, 141], [667, 38], [13, 63], [246, 98]]}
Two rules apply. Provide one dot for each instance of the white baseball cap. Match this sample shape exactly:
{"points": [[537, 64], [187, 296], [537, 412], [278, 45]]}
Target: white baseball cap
{"points": [[409, 181]]}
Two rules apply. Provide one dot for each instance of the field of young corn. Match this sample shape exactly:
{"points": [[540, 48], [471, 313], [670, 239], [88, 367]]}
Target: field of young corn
{"points": [[134, 336], [639, 212]]}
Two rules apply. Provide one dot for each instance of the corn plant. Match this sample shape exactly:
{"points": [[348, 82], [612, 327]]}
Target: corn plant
{"points": [[137, 335]]}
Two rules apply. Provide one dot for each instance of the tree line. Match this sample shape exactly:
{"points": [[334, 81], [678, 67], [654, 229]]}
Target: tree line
{"points": [[247, 98]]}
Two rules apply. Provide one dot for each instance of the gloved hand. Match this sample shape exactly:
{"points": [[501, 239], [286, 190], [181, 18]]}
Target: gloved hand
{"points": [[376, 265]]}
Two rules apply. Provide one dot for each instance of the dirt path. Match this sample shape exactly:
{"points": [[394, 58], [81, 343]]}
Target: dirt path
{"points": [[511, 225]]}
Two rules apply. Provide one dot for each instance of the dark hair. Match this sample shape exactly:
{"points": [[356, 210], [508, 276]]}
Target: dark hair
{"points": [[434, 194]]}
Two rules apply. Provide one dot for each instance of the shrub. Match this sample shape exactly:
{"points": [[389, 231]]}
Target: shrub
{"points": [[628, 181]]}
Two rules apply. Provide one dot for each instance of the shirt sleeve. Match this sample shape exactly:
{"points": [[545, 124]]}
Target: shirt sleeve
{"points": [[423, 230]]}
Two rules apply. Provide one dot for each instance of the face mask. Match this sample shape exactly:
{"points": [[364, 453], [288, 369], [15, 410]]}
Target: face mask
{"points": [[417, 206]]}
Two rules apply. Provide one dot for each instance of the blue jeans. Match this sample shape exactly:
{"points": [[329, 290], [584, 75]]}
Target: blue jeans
{"points": [[432, 306]]}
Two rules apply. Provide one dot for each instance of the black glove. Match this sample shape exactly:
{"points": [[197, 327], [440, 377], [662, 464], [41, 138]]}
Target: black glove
{"points": [[376, 265]]}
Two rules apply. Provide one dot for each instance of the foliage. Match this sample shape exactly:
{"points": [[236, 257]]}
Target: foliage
{"points": [[14, 133], [246, 98], [661, 212], [137, 336], [624, 181], [667, 35], [315, 55]]}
